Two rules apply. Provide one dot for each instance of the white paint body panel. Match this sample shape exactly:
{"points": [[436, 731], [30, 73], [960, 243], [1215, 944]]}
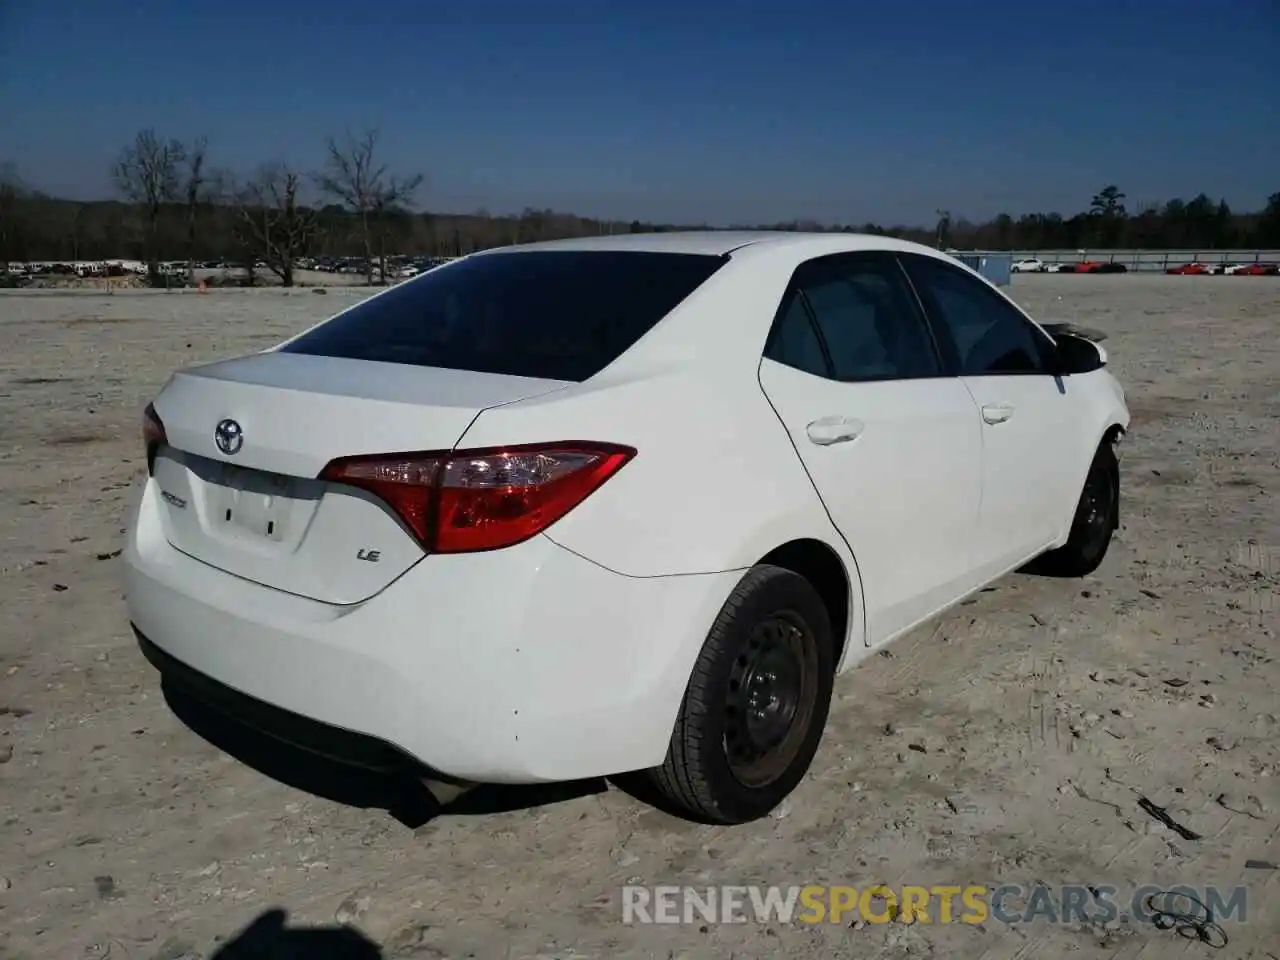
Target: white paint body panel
{"points": [[297, 539], [904, 484], [520, 665], [260, 513], [299, 412], [1030, 440], [567, 655]]}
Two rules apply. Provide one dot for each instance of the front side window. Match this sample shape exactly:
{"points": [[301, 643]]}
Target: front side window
{"points": [[989, 335]]}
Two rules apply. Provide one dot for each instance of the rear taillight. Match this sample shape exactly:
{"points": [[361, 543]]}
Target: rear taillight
{"points": [[152, 435], [467, 500]]}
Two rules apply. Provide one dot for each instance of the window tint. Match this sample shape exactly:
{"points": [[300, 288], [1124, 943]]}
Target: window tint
{"points": [[559, 315], [868, 319], [795, 341], [989, 335]]}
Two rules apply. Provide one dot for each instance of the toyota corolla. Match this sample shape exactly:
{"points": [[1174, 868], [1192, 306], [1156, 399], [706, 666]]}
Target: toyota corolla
{"points": [[611, 505]]}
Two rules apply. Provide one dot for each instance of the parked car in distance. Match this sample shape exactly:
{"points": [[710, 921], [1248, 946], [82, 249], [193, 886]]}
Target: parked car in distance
{"points": [[1099, 266], [1189, 269], [1030, 265], [1258, 270], [611, 505]]}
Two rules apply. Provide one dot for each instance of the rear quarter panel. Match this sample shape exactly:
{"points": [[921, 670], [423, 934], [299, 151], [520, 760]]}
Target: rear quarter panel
{"points": [[714, 486]]}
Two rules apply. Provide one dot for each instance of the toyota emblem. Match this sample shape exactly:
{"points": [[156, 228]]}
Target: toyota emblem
{"points": [[229, 437]]}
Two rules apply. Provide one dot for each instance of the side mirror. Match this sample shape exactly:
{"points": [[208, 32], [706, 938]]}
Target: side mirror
{"points": [[1077, 354], [1056, 329]]}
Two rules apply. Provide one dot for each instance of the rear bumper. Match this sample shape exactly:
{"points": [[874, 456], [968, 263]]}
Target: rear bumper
{"points": [[345, 746], [520, 665]]}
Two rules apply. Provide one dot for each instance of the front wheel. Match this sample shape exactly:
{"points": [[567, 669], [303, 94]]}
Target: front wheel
{"points": [[756, 704], [1096, 518]]}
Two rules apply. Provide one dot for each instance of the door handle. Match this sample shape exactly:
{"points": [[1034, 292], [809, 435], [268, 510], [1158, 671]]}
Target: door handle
{"points": [[829, 430], [997, 412]]}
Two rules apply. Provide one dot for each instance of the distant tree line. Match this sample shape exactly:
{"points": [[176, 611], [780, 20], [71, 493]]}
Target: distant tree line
{"points": [[175, 205]]}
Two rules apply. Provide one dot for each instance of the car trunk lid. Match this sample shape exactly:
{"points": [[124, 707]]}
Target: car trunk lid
{"points": [[255, 508]]}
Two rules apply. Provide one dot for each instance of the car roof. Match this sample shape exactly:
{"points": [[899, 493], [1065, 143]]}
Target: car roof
{"points": [[720, 242]]}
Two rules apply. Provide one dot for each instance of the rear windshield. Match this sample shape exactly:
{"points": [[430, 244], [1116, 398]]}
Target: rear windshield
{"points": [[556, 315]]}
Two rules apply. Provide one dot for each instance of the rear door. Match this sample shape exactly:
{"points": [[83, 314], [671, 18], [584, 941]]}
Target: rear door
{"points": [[893, 445], [1032, 438]]}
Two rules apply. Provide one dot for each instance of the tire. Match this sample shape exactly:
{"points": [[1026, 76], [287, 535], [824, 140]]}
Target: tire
{"points": [[773, 622], [1096, 518]]}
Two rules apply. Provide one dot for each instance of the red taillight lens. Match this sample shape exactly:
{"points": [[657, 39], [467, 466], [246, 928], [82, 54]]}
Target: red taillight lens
{"points": [[491, 499], [153, 435], [404, 483], [471, 500]]}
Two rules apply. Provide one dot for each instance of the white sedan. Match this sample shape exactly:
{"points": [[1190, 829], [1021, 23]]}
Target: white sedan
{"points": [[1031, 265], [611, 505]]}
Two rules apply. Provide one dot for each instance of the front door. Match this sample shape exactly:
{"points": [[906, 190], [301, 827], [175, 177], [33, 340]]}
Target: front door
{"points": [[1028, 434]]}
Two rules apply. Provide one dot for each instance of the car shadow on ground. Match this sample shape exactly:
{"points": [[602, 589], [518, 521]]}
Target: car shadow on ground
{"points": [[270, 938], [405, 798]]}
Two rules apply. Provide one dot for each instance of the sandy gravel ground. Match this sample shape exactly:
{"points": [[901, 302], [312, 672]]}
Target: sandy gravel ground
{"points": [[1009, 743]]}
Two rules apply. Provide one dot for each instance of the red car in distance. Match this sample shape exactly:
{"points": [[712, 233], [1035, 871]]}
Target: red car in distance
{"points": [[1188, 269], [1093, 266], [1258, 270]]}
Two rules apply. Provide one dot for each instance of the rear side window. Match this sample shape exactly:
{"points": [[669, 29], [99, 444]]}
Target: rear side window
{"points": [[871, 325], [853, 318], [795, 341], [555, 315]]}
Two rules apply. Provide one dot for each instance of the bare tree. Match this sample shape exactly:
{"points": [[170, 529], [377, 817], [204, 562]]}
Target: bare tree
{"points": [[354, 178], [194, 189], [228, 195], [391, 201], [272, 224], [148, 173]]}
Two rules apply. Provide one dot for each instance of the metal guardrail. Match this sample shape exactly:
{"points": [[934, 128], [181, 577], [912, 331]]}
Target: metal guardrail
{"points": [[1150, 261]]}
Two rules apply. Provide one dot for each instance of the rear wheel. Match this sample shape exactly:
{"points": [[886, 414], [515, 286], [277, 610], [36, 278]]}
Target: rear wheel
{"points": [[756, 704], [1096, 518]]}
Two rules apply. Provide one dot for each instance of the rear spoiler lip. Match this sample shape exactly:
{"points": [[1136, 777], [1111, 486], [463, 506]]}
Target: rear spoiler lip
{"points": [[1056, 329]]}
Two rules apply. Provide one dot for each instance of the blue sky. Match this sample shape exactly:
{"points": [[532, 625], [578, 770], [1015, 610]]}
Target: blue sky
{"points": [[712, 111]]}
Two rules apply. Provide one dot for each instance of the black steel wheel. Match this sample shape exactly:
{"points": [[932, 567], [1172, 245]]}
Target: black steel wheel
{"points": [[1096, 518], [1096, 512], [756, 704], [769, 702]]}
